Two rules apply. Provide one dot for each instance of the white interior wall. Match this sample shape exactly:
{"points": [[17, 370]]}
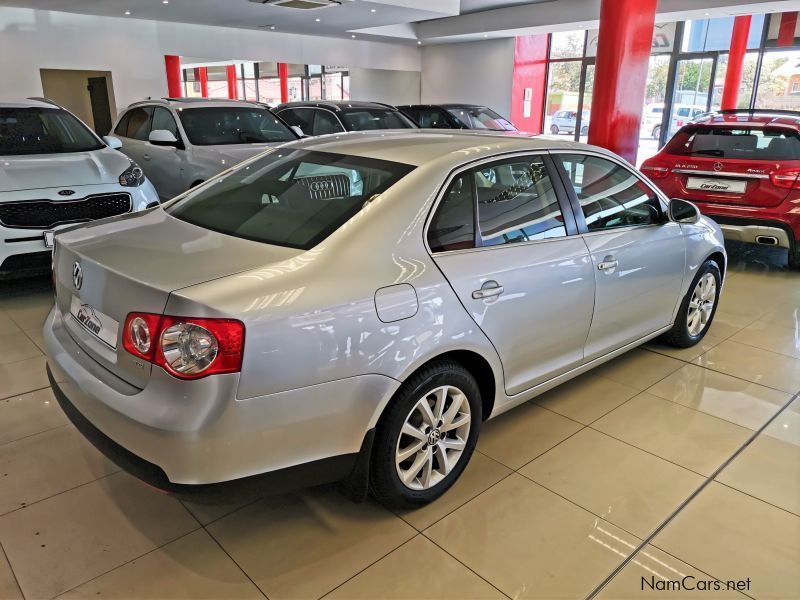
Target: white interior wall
{"points": [[473, 72], [383, 85], [133, 50]]}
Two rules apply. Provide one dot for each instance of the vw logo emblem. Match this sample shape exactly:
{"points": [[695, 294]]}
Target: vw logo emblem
{"points": [[66, 192], [77, 275], [718, 166]]}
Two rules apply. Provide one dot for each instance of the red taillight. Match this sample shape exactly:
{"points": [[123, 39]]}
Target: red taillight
{"points": [[786, 179], [185, 347], [655, 172]]}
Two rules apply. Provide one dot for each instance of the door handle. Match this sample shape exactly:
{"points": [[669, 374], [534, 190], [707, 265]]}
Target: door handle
{"points": [[146, 157], [609, 263], [489, 289]]}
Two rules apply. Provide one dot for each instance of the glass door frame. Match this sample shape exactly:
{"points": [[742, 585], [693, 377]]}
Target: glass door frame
{"points": [[588, 61]]}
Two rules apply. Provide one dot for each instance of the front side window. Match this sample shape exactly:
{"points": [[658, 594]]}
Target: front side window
{"points": [[517, 202], [293, 198], [43, 131], [162, 119], [225, 125], [366, 119], [122, 126], [139, 122], [432, 117], [610, 195], [299, 117], [325, 122], [480, 117], [453, 223], [753, 143]]}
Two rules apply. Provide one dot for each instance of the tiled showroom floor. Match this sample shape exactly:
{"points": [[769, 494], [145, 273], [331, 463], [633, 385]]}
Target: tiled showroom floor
{"points": [[562, 492]]}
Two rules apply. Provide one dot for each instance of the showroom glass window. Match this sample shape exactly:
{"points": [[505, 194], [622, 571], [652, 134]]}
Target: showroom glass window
{"points": [[517, 202], [293, 198], [610, 195], [43, 131], [453, 223]]}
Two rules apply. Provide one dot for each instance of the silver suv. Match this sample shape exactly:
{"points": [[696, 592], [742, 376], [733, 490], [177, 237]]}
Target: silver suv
{"points": [[180, 143]]}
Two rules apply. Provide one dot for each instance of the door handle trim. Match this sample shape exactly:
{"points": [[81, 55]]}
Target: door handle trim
{"points": [[607, 264], [484, 293]]}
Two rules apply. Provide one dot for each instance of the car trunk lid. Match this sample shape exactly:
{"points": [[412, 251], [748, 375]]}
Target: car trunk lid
{"points": [[107, 270]]}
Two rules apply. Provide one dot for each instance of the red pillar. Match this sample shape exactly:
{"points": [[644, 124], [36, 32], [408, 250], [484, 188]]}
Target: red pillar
{"points": [[203, 81], [733, 76], [530, 74], [233, 90], [283, 74], [787, 28], [173, 66], [623, 54]]}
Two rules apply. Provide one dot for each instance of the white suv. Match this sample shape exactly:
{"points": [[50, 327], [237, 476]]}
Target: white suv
{"points": [[54, 172], [181, 142]]}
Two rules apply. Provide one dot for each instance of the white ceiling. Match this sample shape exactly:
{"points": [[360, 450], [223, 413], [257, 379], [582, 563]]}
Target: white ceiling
{"points": [[429, 21]]}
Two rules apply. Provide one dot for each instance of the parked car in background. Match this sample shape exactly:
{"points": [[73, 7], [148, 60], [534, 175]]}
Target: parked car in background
{"points": [[236, 341], [457, 116], [742, 168], [55, 172], [181, 142], [652, 117], [565, 121], [325, 117]]}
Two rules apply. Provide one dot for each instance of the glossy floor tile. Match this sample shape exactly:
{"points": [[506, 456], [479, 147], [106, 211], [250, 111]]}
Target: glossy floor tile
{"points": [[193, 566], [305, 545], [531, 543], [619, 483], [674, 432], [397, 576], [559, 493], [733, 536]]}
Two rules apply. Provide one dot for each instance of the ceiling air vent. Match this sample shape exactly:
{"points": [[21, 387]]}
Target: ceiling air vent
{"points": [[302, 4]]}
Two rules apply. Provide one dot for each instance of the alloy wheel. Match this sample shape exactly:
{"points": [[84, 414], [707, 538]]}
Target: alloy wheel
{"points": [[702, 304], [433, 437]]}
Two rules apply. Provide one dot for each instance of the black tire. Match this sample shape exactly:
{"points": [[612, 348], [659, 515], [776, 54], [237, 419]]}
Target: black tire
{"points": [[554, 129], [384, 481], [657, 132], [679, 336], [794, 258]]}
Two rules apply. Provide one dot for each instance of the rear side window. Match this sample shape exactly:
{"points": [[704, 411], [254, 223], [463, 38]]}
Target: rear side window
{"points": [[748, 143], [610, 195], [366, 119], [453, 224], [293, 198], [139, 122], [517, 202]]}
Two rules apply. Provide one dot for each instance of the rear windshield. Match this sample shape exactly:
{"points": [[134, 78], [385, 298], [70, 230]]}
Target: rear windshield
{"points": [[293, 198], [364, 119], [480, 117], [746, 143], [223, 125], [43, 131]]}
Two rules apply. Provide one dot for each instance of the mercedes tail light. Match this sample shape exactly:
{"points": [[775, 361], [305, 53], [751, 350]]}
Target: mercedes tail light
{"points": [[789, 178], [654, 172], [185, 347]]}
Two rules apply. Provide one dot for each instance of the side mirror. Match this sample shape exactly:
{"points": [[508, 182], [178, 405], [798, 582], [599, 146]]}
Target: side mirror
{"points": [[298, 130], [162, 137], [112, 142], [683, 211]]}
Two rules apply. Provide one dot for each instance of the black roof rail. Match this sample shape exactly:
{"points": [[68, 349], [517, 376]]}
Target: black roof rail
{"points": [[43, 99], [767, 111]]}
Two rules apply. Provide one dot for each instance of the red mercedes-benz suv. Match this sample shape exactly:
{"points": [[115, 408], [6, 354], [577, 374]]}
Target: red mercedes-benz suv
{"points": [[741, 168]]}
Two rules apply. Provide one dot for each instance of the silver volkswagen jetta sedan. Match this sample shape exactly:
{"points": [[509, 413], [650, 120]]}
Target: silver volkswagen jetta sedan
{"points": [[355, 307]]}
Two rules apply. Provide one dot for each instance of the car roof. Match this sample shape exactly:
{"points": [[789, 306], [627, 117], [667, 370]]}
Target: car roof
{"points": [[195, 102], [756, 118], [29, 103], [452, 147], [334, 105]]}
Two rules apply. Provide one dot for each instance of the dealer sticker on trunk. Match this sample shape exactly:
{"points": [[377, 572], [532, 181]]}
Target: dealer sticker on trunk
{"points": [[95, 322], [711, 184]]}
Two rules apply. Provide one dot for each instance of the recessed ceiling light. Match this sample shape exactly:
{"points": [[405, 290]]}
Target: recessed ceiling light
{"points": [[164, 1], [373, 10], [127, 12], [352, 36], [419, 43], [317, 19], [272, 27], [486, 35]]}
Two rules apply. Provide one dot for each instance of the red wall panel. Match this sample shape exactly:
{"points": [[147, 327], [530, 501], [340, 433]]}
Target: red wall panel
{"points": [[530, 71]]}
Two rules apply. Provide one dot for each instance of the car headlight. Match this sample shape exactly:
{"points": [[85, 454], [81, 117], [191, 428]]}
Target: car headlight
{"points": [[133, 176]]}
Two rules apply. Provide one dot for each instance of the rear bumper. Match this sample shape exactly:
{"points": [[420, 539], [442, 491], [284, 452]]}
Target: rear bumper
{"points": [[745, 224], [169, 433]]}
